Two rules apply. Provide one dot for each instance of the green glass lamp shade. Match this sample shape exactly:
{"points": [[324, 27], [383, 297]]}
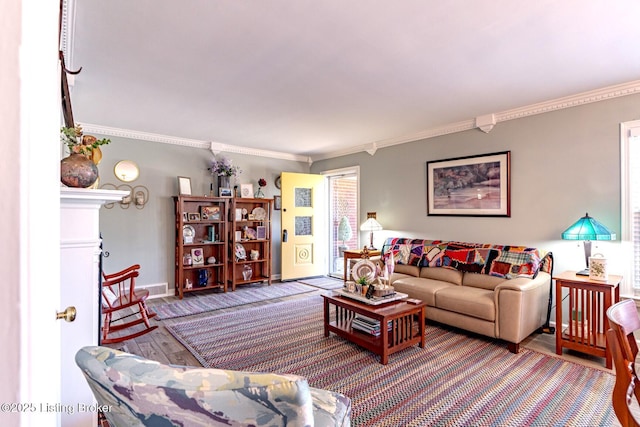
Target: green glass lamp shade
{"points": [[587, 228]]}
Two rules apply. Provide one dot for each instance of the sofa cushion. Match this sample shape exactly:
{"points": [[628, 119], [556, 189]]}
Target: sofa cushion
{"points": [[483, 281], [443, 274], [409, 270], [467, 300], [421, 288]]}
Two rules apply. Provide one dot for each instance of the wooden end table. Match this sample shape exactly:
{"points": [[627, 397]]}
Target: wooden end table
{"points": [[587, 319], [407, 324], [355, 253]]}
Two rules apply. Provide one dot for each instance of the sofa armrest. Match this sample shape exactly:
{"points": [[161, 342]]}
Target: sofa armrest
{"points": [[521, 305]]}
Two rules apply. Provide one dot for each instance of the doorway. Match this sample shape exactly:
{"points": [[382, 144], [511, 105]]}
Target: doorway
{"points": [[343, 202]]}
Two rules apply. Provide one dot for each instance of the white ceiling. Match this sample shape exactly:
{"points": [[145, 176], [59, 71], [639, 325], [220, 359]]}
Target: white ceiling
{"points": [[317, 77]]}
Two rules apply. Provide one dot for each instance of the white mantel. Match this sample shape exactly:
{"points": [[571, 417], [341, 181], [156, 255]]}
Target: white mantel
{"points": [[79, 279]]}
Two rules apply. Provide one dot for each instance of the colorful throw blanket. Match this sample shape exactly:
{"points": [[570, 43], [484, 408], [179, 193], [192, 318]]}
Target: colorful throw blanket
{"points": [[496, 260]]}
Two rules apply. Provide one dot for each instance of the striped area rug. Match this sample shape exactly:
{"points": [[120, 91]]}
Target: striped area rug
{"points": [[323, 282], [457, 380], [193, 303]]}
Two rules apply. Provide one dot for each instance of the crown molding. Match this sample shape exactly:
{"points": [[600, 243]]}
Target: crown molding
{"points": [[576, 100], [194, 143], [67, 29], [583, 98]]}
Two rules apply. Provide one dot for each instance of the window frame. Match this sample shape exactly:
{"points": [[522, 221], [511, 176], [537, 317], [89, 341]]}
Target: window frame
{"points": [[629, 133]]}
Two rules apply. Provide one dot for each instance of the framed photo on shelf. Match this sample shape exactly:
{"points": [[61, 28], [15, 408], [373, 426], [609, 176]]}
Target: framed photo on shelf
{"points": [[194, 216], [197, 256], [470, 186], [261, 232], [246, 191], [185, 217], [184, 186], [277, 202], [210, 213], [225, 192]]}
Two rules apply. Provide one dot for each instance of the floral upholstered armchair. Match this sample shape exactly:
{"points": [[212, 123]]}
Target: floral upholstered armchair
{"points": [[141, 392]]}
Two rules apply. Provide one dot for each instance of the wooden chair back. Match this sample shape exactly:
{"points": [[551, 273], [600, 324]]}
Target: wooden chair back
{"points": [[623, 322]]}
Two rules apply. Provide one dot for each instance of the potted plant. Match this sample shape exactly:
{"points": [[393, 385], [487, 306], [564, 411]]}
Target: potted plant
{"points": [[79, 168], [224, 169], [344, 234]]}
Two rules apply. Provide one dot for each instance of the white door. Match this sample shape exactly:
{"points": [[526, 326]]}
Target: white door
{"points": [[303, 225], [39, 193]]}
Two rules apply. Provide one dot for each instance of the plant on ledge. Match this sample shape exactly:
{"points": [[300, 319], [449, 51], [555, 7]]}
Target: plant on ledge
{"points": [[78, 143]]}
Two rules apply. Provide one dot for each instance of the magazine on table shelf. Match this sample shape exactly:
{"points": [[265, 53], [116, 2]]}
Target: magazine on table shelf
{"points": [[367, 324]]}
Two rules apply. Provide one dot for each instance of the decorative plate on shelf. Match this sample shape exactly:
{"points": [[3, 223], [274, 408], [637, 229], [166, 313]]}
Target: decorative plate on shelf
{"points": [[259, 213], [240, 252], [188, 233], [364, 268], [250, 233]]}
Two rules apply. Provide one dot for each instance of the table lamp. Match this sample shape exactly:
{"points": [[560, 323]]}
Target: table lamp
{"points": [[587, 229], [371, 225]]}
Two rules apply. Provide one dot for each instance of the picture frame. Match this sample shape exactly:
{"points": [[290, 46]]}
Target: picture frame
{"points": [[246, 191], [185, 217], [470, 186], [210, 213], [225, 192], [197, 256], [277, 203], [251, 217], [184, 185], [261, 232], [194, 216]]}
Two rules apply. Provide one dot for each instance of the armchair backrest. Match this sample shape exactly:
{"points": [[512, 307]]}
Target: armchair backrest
{"points": [[142, 392]]}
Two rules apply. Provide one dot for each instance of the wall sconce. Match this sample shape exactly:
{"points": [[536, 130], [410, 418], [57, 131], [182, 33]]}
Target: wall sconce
{"points": [[138, 196], [128, 171]]}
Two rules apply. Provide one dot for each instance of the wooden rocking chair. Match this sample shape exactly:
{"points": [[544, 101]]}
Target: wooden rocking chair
{"points": [[119, 293]]}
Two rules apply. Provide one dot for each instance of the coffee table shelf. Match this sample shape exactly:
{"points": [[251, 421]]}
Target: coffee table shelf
{"points": [[407, 321]]}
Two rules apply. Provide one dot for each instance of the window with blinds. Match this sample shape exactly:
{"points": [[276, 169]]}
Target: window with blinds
{"points": [[630, 185]]}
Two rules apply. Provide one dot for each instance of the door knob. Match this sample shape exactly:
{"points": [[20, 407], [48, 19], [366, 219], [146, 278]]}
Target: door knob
{"points": [[69, 314]]}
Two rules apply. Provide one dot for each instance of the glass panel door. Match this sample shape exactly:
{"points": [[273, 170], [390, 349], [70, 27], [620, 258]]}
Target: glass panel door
{"points": [[343, 231]]}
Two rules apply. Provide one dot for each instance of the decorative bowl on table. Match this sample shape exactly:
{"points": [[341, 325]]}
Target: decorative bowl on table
{"points": [[383, 291]]}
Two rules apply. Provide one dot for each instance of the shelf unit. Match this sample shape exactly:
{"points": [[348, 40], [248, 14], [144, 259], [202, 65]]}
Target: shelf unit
{"points": [[201, 223], [249, 230]]}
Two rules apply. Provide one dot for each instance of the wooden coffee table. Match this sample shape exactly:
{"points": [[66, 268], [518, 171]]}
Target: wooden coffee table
{"points": [[407, 324]]}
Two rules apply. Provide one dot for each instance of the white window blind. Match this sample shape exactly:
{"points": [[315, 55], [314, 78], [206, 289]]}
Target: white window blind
{"points": [[630, 186]]}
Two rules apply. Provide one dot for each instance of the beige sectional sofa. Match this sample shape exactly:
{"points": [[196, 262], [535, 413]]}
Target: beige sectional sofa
{"points": [[499, 291]]}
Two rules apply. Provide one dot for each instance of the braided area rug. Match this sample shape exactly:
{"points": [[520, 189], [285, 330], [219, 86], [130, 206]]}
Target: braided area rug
{"points": [[456, 380], [246, 294]]}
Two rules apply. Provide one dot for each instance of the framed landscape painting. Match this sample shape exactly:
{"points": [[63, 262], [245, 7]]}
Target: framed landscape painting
{"points": [[470, 186]]}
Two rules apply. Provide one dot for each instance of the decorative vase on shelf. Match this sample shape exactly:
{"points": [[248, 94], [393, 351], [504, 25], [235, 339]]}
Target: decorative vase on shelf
{"points": [[78, 171], [224, 181], [259, 194], [247, 272]]}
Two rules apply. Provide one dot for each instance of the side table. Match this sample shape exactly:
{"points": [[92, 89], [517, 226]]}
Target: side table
{"points": [[587, 320], [355, 253]]}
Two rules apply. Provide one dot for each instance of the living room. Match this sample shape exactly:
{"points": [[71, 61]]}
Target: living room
{"points": [[565, 161]]}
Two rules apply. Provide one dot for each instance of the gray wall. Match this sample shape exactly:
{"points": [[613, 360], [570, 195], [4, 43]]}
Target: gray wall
{"points": [[147, 236], [564, 163]]}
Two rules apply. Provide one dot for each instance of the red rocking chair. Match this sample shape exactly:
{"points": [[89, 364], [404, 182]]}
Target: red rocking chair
{"points": [[119, 293]]}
